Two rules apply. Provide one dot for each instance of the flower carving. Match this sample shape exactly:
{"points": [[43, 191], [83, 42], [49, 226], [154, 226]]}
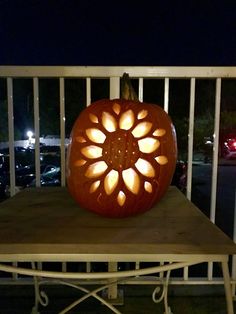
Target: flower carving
{"points": [[118, 147]]}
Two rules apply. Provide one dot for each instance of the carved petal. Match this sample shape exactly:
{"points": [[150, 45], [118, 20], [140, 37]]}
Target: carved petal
{"points": [[94, 186], [92, 151], [116, 108], [159, 132], [80, 139], [110, 182], [109, 122], [93, 118], [142, 129], [148, 186], [96, 136], [121, 198], [80, 162], [96, 169], [148, 144], [145, 168], [131, 180], [142, 114], [126, 120], [162, 160]]}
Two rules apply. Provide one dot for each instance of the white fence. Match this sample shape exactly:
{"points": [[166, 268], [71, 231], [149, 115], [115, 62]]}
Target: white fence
{"points": [[114, 74]]}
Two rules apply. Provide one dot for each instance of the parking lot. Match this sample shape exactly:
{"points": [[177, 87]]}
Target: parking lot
{"points": [[226, 189], [50, 173]]}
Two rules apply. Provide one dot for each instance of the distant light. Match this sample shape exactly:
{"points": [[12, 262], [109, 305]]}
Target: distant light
{"points": [[29, 134]]}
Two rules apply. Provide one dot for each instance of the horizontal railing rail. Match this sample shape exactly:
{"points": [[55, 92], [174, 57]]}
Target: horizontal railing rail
{"points": [[107, 71]]}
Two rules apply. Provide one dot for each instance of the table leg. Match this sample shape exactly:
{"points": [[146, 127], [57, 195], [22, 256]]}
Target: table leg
{"points": [[228, 291], [112, 290], [40, 296], [164, 295]]}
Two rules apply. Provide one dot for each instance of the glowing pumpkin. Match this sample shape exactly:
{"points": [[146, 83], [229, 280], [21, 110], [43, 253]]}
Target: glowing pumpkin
{"points": [[121, 157]]}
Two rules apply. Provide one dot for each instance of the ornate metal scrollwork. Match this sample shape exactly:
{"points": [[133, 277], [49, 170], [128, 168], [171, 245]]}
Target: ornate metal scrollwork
{"points": [[118, 277], [163, 294]]}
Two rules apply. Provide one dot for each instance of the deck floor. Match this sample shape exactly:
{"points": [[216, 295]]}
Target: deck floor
{"points": [[20, 299]]}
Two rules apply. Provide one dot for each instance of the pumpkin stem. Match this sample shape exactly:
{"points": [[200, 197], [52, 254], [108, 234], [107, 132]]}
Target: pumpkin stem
{"points": [[127, 90]]}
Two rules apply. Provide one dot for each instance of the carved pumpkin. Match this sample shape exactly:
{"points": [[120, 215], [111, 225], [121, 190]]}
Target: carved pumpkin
{"points": [[121, 157]]}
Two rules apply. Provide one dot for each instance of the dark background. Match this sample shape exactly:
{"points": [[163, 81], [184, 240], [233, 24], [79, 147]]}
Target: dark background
{"points": [[69, 32]]}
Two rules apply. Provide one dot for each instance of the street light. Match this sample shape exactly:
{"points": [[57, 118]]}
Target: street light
{"points": [[30, 136]]}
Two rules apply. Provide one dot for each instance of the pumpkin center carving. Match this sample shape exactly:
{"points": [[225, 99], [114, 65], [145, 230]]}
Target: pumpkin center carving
{"points": [[121, 152]]}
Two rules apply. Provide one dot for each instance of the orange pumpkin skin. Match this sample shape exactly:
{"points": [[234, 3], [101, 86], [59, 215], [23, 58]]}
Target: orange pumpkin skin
{"points": [[121, 157]]}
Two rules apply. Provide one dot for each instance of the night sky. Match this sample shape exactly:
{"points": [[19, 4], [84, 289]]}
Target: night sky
{"points": [[69, 32]]}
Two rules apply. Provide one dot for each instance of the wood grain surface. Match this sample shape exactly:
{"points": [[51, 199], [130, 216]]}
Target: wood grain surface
{"points": [[42, 221]]}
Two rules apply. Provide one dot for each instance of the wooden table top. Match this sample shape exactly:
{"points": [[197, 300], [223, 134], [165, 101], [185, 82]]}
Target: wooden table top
{"points": [[47, 221]]}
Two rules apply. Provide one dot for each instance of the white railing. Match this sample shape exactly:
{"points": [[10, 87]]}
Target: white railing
{"points": [[114, 74]]}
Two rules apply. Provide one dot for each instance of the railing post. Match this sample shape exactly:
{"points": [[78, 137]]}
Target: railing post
{"points": [[36, 129], [215, 161], [166, 94], [112, 266], [88, 91], [62, 130], [140, 89], [234, 256], [190, 138], [114, 87], [11, 135]]}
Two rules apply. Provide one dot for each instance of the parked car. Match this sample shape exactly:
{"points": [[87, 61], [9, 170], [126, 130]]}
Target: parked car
{"points": [[228, 146], [5, 164], [227, 138], [180, 175], [25, 175], [49, 178], [50, 150], [3, 185]]}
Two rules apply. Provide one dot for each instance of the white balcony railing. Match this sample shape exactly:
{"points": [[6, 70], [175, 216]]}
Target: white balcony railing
{"points": [[191, 75]]}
